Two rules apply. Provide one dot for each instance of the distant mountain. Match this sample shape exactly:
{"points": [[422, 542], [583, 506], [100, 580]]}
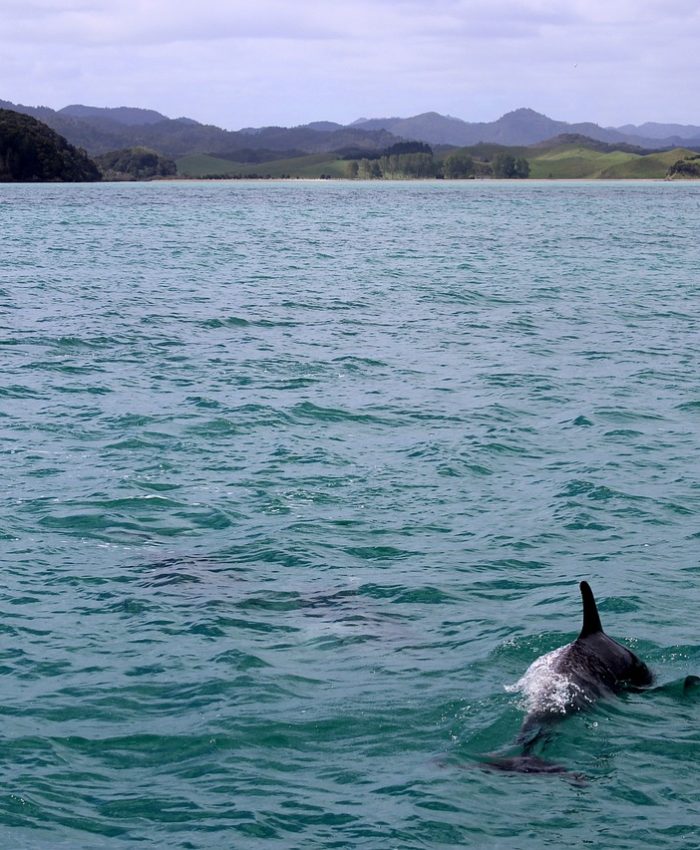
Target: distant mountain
{"points": [[429, 127], [32, 152], [380, 123], [591, 144], [652, 130], [309, 140], [522, 127], [126, 115], [100, 129], [324, 126]]}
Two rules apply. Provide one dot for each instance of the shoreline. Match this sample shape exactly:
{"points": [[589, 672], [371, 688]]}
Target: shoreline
{"points": [[358, 181]]}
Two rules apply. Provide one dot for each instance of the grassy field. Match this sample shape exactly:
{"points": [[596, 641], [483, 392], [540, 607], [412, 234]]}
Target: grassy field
{"points": [[314, 165], [652, 165], [576, 161], [557, 162]]}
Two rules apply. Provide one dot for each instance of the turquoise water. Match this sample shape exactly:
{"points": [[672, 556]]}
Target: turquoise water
{"points": [[298, 476]]}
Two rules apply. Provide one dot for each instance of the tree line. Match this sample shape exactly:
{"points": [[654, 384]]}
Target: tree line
{"points": [[134, 164], [401, 164]]}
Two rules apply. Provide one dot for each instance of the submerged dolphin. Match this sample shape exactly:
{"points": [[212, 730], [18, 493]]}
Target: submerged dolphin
{"points": [[568, 680]]}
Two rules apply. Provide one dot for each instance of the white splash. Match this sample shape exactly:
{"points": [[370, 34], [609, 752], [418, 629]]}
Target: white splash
{"points": [[545, 688]]}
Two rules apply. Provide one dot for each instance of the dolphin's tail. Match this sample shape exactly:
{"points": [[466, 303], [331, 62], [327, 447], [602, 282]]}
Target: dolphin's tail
{"points": [[530, 764], [533, 732], [523, 764]]}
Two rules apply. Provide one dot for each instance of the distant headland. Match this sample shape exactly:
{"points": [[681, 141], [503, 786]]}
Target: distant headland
{"points": [[30, 152]]}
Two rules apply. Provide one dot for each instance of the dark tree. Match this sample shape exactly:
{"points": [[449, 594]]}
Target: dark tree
{"points": [[134, 164], [685, 168], [407, 147], [458, 165], [506, 165], [522, 168]]}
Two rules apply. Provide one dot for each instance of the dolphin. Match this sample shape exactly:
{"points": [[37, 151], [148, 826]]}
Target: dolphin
{"points": [[568, 680]]}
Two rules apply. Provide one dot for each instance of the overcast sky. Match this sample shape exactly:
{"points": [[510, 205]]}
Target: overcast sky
{"points": [[238, 63]]}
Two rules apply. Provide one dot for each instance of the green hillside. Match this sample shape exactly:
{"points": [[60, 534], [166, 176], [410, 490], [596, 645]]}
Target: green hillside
{"points": [[204, 165], [650, 166], [576, 161], [580, 159], [313, 165], [555, 160]]}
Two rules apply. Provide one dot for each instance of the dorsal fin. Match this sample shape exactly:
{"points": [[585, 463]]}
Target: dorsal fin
{"points": [[591, 618]]}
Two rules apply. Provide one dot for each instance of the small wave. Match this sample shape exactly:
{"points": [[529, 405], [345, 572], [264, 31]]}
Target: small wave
{"points": [[96, 342], [622, 415], [290, 384], [230, 322], [18, 391], [356, 364], [309, 410], [379, 553], [624, 433], [596, 492]]}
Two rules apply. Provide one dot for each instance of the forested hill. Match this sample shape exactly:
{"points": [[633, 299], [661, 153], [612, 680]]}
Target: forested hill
{"points": [[32, 152], [101, 130], [104, 129]]}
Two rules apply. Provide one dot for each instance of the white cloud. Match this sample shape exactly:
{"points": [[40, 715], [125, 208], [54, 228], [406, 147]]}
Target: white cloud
{"points": [[241, 63], [131, 22]]}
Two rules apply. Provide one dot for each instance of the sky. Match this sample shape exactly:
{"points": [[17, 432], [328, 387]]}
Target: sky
{"points": [[242, 63]]}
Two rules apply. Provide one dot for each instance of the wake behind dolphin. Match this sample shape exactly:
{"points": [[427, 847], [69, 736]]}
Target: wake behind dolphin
{"points": [[571, 679]]}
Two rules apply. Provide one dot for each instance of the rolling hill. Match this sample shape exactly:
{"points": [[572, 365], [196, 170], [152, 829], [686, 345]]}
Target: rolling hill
{"points": [[100, 129], [564, 157], [311, 165], [578, 158]]}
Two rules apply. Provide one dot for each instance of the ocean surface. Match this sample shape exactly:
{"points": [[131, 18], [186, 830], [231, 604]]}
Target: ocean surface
{"points": [[298, 477]]}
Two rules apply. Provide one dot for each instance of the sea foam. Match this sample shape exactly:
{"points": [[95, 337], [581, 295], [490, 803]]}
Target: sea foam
{"points": [[545, 687]]}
